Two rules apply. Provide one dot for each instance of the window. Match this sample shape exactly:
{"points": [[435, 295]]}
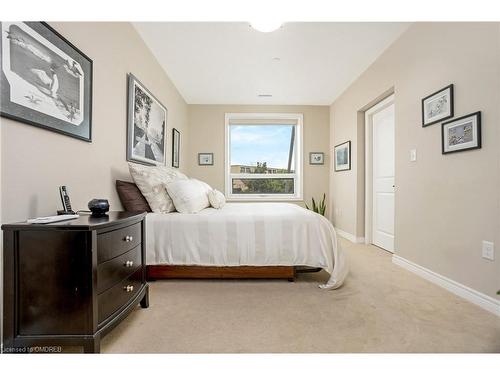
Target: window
{"points": [[263, 156]]}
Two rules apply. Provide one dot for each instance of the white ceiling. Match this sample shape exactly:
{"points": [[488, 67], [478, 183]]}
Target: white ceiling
{"points": [[231, 63]]}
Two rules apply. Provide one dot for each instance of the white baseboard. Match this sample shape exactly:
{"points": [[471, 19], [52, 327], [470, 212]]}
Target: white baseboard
{"points": [[482, 300], [349, 236]]}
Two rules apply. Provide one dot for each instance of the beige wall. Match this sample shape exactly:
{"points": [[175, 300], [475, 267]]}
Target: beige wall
{"points": [[445, 204], [206, 127], [36, 161]]}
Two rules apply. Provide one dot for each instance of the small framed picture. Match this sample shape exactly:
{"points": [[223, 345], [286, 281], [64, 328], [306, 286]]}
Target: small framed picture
{"points": [[316, 158], [461, 134], [206, 158], [437, 106], [342, 153], [176, 147]]}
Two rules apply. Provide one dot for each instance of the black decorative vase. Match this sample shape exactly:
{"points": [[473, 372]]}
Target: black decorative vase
{"points": [[99, 207]]}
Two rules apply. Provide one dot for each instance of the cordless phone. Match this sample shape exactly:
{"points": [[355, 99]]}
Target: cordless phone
{"points": [[66, 203]]}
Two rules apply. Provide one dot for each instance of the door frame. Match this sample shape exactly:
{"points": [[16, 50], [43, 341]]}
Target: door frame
{"points": [[384, 103]]}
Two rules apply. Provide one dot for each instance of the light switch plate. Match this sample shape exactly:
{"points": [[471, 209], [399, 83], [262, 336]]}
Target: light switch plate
{"points": [[413, 155], [488, 250]]}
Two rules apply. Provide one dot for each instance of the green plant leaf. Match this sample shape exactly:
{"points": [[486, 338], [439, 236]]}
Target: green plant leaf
{"points": [[323, 205], [319, 207]]}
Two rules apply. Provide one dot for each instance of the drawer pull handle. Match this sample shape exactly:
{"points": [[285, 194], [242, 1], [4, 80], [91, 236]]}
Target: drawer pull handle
{"points": [[129, 263], [128, 239], [128, 288]]}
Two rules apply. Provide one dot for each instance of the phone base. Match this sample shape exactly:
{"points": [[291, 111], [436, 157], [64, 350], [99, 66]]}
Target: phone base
{"points": [[62, 212]]}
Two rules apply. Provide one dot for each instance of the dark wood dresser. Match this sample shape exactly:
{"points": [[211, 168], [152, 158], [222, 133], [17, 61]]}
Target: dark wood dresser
{"points": [[69, 283]]}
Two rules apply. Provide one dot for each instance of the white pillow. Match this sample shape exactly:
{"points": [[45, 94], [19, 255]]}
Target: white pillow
{"points": [[206, 186], [151, 182], [189, 196], [216, 198]]}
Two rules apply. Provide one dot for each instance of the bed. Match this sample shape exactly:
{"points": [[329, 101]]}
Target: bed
{"points": [[243, 239]]}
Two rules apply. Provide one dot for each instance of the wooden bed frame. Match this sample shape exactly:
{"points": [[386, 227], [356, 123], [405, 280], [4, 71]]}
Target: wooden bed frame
{"points": [[208, 272], [164, 271]]}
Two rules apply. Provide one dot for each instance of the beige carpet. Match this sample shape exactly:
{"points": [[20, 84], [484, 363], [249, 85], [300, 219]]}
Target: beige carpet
{"points": [[381, 308]]}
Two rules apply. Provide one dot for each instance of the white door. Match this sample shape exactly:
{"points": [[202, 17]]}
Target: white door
{"points": [[383, 178]]}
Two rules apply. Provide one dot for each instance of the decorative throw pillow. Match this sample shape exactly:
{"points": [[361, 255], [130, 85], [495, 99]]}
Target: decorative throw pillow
{"points": [[131, 197], [206, 186], [216, 199], [189, 196], [151, 182]]}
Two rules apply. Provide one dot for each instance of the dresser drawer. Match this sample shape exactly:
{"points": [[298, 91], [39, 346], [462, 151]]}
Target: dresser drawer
{"points": [[114, 243], [115, 270], [118, 296]]}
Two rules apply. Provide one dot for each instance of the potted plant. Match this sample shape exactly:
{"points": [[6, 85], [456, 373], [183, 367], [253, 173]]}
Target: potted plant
{"points": [[318, 208]]}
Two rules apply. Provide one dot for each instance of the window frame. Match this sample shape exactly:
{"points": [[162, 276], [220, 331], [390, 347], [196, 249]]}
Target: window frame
{"points": [[297, 118]]}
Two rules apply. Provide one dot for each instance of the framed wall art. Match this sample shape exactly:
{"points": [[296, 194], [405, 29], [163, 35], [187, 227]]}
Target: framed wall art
{"points": [[206, 158], [342, 154], [437, 106], [176, 148], [146, 125], [45, 80], [461, 134], [316, 158]]}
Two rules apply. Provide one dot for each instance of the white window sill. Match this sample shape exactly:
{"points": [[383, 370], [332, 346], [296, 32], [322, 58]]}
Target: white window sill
{"points": [[263, 199]]}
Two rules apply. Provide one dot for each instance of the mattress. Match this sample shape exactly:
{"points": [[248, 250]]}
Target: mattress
{"points": [[247, 234]]}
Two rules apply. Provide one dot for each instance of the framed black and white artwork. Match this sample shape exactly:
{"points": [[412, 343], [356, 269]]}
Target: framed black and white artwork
{"points": [[316, 158], [437, 106], [146, 125], [206, 158], [461, 134], [176, 148], [45, 80], [342, 155]]}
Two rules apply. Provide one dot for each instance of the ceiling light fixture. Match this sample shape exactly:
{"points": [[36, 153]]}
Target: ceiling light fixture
{"points": [[266, 26]]}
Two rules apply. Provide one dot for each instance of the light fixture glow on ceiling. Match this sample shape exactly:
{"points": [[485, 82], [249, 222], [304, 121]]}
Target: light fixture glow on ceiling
{"points": [[266, 26]]}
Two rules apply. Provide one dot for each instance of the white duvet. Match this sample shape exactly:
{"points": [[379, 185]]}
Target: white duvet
{"points": [[247, 234]]}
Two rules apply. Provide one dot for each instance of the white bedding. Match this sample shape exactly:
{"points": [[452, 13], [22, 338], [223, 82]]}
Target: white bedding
{"points": [[247, 234]]}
